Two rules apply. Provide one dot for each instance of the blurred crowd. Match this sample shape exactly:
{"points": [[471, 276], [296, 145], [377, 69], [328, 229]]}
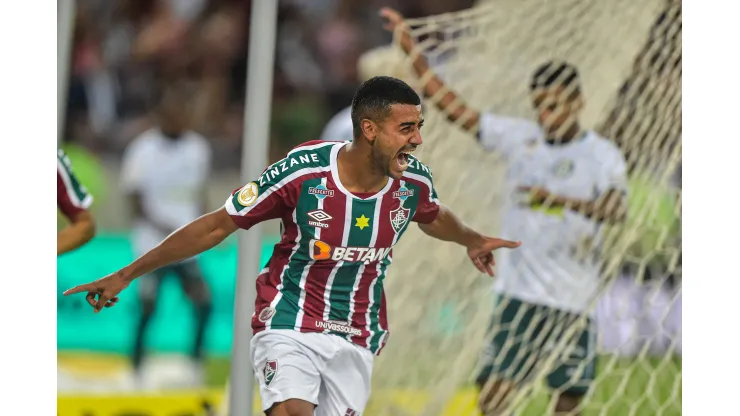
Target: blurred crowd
{"points": [[126, 52]]}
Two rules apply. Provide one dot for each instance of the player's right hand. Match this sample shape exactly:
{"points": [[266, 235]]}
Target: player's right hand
{"points": [[102, 292], [392, 18]]}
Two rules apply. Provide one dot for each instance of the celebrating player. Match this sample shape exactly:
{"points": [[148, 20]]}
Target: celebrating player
{"points": [[564, 182], [73, 201], [320, 313]]}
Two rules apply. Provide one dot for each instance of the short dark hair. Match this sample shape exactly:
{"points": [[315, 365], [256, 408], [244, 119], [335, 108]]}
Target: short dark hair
{"points": [[374, 98], [556, 74]]}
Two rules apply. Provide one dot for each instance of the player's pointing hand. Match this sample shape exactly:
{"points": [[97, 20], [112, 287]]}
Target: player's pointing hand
{"points": [[102, 292], [481, 252]]}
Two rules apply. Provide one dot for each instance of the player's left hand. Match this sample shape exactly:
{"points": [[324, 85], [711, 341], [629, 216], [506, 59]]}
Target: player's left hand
{"points": [[481, 252]]}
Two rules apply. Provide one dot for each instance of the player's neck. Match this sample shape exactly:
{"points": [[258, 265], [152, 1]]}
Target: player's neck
{"points": [[356, 171], [171, 134]]}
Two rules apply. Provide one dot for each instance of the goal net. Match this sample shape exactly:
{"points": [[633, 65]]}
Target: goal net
{"points": [[628, 53]]}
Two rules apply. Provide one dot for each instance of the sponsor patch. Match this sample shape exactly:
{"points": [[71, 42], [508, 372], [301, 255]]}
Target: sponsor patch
{"points": [[402, 193], [319, 250], [266, 314], [320, 192], [337, 327], [247, 196], [319, 218]]}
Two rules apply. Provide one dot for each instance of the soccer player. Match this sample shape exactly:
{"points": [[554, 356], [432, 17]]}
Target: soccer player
{"points": [[320, 313], [164, 175], [563, 182], [74, 202]]}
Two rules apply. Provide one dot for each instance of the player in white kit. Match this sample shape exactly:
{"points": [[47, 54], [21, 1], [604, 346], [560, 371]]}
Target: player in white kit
{"points": [[164, 174], [563, 182]]}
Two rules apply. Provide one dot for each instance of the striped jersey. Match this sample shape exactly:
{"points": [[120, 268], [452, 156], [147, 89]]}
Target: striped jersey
{"points": [[72, 197], [326, 273]]}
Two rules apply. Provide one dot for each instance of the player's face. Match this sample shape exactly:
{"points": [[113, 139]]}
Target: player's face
{"points": [[399, 134], [557, 110]]}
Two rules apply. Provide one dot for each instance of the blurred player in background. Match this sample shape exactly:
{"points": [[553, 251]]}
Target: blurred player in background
{"points": [[563, 182], [164, 174], [320, 313], [73, 201]]}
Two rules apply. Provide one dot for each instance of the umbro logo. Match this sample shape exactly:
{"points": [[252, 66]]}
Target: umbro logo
{"points": [[319, 218]]}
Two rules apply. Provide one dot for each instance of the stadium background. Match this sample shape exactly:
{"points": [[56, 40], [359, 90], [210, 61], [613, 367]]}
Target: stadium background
{"points": [[124, 53]]}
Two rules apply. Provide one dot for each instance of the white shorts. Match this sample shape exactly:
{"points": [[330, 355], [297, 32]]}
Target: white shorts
{"points": [[326, 370]]}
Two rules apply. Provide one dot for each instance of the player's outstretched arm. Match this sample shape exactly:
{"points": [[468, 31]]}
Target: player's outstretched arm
{"points": [[200, 235], [448, 227], [448, 101]]}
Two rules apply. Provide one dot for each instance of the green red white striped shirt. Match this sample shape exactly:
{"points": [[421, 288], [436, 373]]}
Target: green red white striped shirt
{"points": [[72, 197], [326, 273]]}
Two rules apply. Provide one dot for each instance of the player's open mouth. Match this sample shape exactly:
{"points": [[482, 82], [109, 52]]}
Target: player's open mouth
{"points": [[402, 159]]}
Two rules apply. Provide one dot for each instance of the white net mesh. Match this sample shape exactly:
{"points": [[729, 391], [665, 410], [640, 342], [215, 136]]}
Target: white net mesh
{"points": [[629, 57]]}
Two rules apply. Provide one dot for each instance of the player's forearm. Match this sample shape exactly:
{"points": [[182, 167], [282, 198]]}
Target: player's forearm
{"points": [[200, 235], [76, 234], [433, 87], [610, 208], [448, 227]]}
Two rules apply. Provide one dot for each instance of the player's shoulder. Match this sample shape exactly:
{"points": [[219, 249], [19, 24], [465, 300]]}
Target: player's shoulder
{"points": [[321, 148], [418, 171], [344, 114], [509, 125], [309, 157], [63, 160], [603, 148], [61, 155], [145, 141], [198, 143]]}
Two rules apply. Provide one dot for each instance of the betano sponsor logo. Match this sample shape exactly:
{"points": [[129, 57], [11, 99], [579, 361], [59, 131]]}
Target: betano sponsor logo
{"points": [[319, 251]]}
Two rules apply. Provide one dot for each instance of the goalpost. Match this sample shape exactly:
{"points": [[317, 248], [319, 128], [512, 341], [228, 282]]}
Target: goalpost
{"points": [[629, 56]]}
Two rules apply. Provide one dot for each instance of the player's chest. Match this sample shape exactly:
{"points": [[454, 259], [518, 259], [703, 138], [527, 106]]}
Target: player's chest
{"points": [[326, 213], [568, 173], [173, 169]]}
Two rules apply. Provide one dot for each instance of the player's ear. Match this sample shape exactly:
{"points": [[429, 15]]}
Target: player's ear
{"points": [[369, 129]]}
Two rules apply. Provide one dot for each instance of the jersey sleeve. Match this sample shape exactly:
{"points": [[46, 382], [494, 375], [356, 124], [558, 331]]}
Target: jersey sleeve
{"points": [[269, 196], [72, 196], [614, 173], [503, 134], [428, 205], [133, 165]]}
